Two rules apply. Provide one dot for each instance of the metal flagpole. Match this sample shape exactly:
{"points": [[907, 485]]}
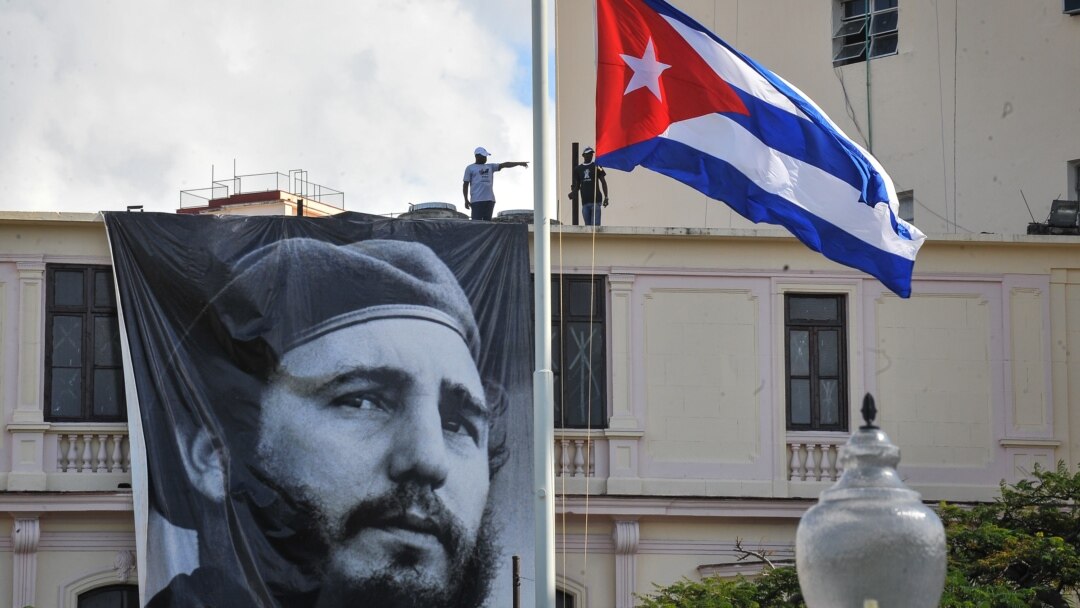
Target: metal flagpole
{"points": [[543, 383]]}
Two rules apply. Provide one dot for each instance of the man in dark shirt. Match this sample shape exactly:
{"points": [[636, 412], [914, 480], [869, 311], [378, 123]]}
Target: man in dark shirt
{"points": [[590, 180]]}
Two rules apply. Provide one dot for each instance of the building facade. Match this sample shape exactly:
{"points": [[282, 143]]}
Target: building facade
{"points": [[65, 465], [706, 379], [736, 359], [724, 349]]}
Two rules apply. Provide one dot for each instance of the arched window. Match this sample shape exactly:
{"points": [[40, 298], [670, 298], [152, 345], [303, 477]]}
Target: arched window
{"points": [[564, 599], [113, 596]]}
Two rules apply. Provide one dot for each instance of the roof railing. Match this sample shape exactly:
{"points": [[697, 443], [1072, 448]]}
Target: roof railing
{"points": [[295, 183]]}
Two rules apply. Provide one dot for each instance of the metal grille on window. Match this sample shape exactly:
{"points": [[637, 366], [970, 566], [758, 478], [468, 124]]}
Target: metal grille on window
{"points": [[83, 367], [865, 25], [578, 351]]}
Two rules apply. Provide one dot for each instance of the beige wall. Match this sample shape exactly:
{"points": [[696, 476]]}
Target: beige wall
{"points": [[973, 375], [963, 371], [981, 101], [702, 363], [81, 536]]}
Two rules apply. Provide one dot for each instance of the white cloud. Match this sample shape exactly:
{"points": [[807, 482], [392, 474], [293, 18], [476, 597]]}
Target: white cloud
{"points": [[107, 104]]}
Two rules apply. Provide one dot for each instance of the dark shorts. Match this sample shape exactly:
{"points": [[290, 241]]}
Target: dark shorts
{"points": [[481, 210]]}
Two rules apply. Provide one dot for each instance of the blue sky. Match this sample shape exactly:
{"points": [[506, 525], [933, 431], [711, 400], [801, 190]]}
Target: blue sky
{"points": [[114, 103]]}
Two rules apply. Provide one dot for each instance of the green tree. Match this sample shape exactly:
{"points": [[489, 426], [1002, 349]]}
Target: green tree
{"points": [[778, 587], [1020, 551], [1028, 540]]}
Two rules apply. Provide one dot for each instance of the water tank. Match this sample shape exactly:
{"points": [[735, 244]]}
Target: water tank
{"points": [[433, 211]]}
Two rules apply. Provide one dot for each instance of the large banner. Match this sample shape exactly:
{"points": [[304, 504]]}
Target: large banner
{"points": [[327, 411]]}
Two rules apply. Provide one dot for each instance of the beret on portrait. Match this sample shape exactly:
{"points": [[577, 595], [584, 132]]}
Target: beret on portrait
{"points": [[293, 291]]}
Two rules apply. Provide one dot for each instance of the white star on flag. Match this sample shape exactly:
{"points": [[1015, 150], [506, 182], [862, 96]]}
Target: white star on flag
{"points": [[647, 71]]}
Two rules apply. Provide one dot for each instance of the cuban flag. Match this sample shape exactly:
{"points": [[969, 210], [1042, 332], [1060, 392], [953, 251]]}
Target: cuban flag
{"points": [[673, 97]]}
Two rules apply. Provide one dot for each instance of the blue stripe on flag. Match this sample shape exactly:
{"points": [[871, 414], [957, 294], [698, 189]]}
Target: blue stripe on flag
{"points": [[796, 137], [720, 180]]}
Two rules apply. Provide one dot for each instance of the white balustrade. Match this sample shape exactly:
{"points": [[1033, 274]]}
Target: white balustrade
{"points": [[82, 452], [811, 459], [575, 456]]}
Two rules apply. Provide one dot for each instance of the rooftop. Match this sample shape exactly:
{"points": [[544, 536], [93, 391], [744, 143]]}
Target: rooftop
{"points": [[261, 188]]}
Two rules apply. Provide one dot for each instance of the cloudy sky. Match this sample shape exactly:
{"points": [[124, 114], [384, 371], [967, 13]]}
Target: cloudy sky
{"points": [[109, 103]]}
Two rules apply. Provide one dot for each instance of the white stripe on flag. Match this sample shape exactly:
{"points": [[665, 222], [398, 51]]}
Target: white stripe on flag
{"points": [[816, 191], [733, 69]]}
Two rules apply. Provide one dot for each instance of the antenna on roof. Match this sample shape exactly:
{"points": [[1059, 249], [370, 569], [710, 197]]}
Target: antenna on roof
{"points": [[1033, 221]]}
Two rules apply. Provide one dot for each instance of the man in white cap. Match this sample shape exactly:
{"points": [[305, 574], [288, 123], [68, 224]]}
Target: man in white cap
{"points": [[591, 181], [479, 178]]}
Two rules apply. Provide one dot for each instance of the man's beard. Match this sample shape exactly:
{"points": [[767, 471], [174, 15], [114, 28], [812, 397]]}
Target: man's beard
{"points": [[469, 570], [469, 573], [302, 540]]}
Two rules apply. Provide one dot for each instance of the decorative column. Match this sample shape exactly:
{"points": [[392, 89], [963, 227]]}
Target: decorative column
{"points": [[624, 428], [626, 545], [620, 320], [25, 534], [28, 425]]}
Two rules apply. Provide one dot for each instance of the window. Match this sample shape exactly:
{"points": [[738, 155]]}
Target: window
{"points": [[563, 599], [578, 351], [114, 596], [816, 362], [906, 199], [865, 24], [83, 372]]}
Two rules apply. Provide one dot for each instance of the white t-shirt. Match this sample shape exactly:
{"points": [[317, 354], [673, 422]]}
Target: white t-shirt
{"points": [[480, 179]]}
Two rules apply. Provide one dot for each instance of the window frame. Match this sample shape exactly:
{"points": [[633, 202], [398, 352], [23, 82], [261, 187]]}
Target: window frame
{"points": [[560, 320], [905, 202], [124, 594], [1072, 169], [88, 311], [854, 39], [843, 367]]}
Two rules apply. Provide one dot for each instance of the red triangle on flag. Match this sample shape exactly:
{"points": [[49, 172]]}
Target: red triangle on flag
{"points": [[688, 86]]}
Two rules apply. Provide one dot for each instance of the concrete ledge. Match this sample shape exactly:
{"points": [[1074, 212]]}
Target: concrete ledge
{"points": [[60, 502]]}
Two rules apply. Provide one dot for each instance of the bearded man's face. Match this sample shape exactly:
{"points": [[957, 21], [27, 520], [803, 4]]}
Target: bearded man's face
{"points": [[381, 429]]}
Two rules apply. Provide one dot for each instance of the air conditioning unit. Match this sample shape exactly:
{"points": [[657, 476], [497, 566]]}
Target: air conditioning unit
{"points": [[1071, 7], [1064, 214]]}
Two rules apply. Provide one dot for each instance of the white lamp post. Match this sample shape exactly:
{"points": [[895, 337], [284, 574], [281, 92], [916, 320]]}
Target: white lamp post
{"points": [[870, 542]]}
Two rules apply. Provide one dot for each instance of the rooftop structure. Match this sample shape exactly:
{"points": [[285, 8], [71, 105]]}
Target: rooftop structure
{"points": [[264, 194]]}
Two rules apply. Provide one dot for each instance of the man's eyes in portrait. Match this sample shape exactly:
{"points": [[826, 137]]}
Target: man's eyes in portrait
{"points": [[361, 400], [463, 415], [364, 390]]}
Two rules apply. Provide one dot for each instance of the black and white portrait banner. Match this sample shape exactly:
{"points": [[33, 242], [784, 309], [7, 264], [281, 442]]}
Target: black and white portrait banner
{"points": [[327, 411]]}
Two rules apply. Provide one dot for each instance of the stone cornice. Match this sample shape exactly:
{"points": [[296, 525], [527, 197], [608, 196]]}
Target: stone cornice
{"points": [[783, 508], [61, 502]]}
